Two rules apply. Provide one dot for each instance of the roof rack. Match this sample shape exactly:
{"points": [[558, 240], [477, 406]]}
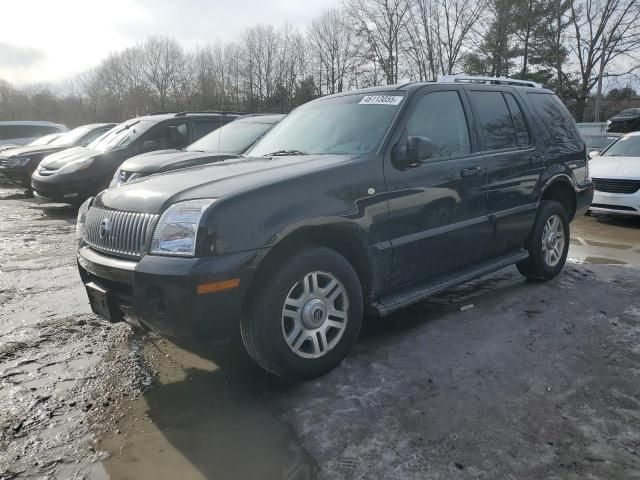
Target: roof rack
{"points": [[217, 112], [490, 80]]}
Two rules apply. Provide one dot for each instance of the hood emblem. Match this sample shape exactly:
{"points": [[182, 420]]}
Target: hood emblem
{"points": [[105, 228]]}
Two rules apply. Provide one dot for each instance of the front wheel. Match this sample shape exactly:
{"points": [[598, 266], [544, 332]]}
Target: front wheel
{"points": [[305, 316], [548, 243]]}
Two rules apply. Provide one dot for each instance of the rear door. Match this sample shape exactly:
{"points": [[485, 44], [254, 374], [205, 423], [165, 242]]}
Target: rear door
{"points": [[514, 164], [438, 207]]}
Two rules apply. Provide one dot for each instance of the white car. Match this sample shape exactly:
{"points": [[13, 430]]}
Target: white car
{"points": [[616, 174], [23, 132]]}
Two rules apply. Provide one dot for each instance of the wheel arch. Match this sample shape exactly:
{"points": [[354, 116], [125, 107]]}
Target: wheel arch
{"points": [[560, 189], [347, 240]]}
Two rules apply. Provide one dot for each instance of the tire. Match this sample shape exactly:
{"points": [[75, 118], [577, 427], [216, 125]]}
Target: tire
{"points": [[312, 291], [548, 243]]}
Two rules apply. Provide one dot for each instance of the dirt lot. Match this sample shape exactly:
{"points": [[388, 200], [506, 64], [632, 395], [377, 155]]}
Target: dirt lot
{"points": [[534, 381]]}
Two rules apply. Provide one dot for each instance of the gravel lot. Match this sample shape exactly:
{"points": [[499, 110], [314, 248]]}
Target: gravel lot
{"points": [[535, 381]]}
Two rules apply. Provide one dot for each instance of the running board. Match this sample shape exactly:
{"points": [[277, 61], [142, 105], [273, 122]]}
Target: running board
{"points": [[416, 292]]}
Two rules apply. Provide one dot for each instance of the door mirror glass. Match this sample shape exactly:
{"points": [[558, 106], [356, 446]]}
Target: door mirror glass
{"points": [[594, 153], [412, 152]]}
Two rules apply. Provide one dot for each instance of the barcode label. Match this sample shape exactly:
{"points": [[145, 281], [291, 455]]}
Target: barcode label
{"points": [[381, 100]]}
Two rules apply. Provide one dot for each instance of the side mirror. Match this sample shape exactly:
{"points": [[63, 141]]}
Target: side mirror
{"points": [[149, 146], [594, 153], [412, 152]]}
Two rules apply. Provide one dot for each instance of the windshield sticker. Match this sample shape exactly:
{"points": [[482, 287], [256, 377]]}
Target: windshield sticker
{"points": [[381, 100]]}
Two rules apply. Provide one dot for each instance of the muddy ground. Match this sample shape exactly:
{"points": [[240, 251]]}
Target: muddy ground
{"points": [[535, 381]]}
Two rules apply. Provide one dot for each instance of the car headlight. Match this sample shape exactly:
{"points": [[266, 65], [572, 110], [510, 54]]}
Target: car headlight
{"points": [[177, 229], [82, 217], [18, 161], [76, 165], [608, 122]]}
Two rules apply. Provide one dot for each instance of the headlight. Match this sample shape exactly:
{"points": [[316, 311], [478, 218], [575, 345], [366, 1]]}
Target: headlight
{"points": [[177, 229], [608, 122], [18, 161], [82, 217], [76, 165]]}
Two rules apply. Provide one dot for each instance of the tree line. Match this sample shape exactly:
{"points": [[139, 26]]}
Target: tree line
{"points": [[571, 46]]}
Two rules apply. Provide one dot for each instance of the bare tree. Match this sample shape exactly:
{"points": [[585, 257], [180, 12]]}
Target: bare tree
{"points": [[605, 32], [382, 26], [331, 43]]}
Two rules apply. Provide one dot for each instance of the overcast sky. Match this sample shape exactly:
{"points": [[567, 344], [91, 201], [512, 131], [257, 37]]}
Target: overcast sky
{"points": [[49, 40]]}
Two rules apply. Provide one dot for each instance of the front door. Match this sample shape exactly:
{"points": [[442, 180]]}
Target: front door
{"points": [[437, 207]]}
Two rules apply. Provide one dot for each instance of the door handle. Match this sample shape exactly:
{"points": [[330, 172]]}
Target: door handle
{"points": [[536, 159], [471, 172]]}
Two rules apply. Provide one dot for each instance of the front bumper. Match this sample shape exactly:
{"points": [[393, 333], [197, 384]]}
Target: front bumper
{"points": [[160, 293], [57, 188], [618, 203], [16, 175], [584, 197]]}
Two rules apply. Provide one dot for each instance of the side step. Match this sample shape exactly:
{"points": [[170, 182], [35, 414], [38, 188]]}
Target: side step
{"points": [[416, 292]]}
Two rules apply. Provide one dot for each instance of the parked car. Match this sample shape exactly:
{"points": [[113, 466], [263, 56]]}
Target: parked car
{"points": [[364, 201], [624, 122], [226, 142], [44, 140], [74, 174], [23, 132], [18, 164], [616, 175]]}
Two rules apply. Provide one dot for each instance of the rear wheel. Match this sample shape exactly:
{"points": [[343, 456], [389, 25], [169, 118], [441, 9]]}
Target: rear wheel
{"points": [[305, 316], [548, 243]]}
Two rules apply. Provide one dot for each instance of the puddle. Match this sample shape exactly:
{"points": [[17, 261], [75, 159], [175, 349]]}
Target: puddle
{"points": [[207, 415], [605, 240]]}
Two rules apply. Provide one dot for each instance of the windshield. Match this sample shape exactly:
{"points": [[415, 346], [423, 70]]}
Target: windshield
{"points": [[627, 146], [352, 124], [629, 112], [71, 136], [234, 137], [121, 135], [46, 140]]}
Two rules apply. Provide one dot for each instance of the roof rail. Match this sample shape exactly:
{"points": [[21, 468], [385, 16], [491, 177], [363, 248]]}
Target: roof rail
{"points": [[160, 113], [217, 112], [490, 80]]}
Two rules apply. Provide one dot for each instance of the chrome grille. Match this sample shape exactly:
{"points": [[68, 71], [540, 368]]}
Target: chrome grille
{"points": [[118, 232], [612, 185]]}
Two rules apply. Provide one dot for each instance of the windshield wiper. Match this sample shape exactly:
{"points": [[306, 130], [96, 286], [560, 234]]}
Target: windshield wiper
{"points": [[282, 153]]}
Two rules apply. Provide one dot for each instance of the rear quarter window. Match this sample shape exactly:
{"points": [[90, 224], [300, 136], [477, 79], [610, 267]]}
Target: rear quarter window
{"points": [[556, 122]]}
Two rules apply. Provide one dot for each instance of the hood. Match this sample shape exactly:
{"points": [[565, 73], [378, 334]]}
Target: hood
{"points": [[615, 167], [217, 180], [60, 159], [33, 150], [156, 161]]}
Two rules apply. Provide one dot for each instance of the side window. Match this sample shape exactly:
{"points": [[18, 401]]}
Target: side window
{"points": [[203, 127], [495, 120], [557, 123], [169, 135], [19, 131], [43, 130], [522, 132], [439, 116]]}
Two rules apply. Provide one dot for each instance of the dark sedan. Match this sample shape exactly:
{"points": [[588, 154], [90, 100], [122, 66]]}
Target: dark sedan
{"points": [[18, 164], [626, 121], [227, 142], [75, 174]]}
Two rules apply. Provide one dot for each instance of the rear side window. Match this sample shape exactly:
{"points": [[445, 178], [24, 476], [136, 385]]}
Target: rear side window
{"points": [[556, 121], [495, 120], [202, 127], [24, 131], [522, 132], [440, 117]]}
